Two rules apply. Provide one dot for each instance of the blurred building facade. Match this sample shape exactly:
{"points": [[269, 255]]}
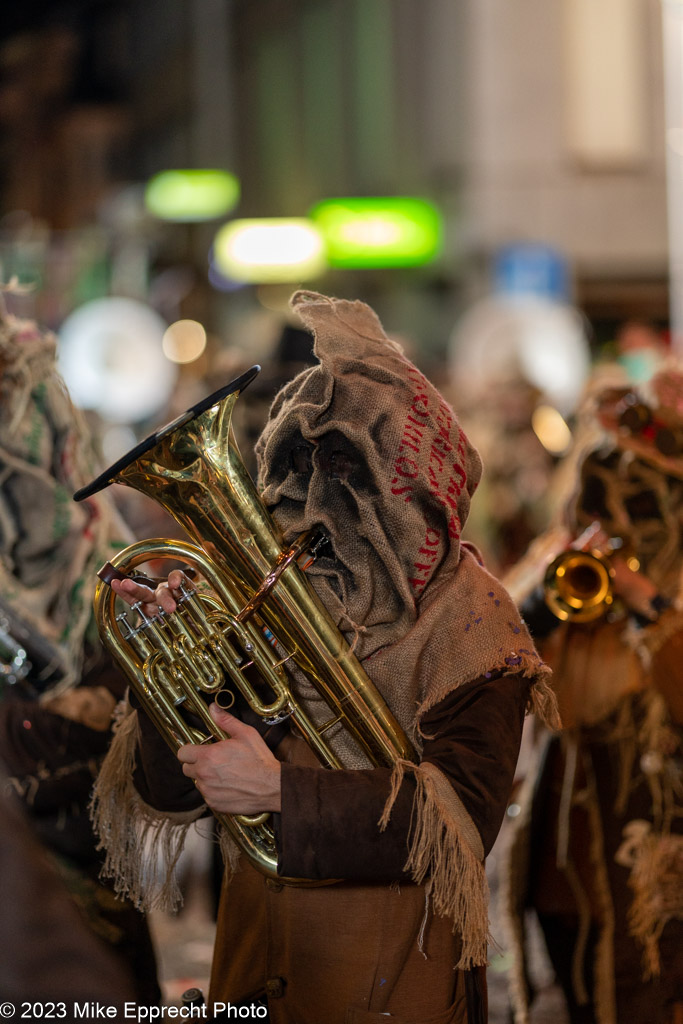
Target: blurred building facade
{"points": [[525, 122], [505, 114]]}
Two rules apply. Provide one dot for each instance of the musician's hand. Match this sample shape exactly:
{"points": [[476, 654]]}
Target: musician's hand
{"points": [[634, 588], [165, 596], [239, 775]]}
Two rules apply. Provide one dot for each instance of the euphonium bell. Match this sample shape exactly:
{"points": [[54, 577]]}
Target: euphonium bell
{"points": [[253, 621], [578, 585]]}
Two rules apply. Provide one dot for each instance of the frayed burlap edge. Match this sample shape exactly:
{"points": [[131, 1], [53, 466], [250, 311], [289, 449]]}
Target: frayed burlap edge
{"points": [[655, 881], [541, 700], [230, 852], [543, 703], [142, 846], [446, 854]]}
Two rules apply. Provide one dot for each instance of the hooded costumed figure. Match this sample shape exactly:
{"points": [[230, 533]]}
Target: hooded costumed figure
{"points": [[57, 690], [598, 851], [363, 448]]}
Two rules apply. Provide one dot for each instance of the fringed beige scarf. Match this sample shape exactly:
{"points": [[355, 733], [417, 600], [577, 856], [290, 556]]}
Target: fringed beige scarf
{"points": [[656, 880], [652, 850], [447, 856], [142, 845]]}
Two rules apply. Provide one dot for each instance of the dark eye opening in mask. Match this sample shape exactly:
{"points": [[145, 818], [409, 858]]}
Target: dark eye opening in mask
{"points": [[639, 420], [301, 457], [337, 457], [338, 465]]}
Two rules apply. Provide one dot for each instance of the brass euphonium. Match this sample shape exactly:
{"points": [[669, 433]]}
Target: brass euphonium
{"points": [[259, 613]]}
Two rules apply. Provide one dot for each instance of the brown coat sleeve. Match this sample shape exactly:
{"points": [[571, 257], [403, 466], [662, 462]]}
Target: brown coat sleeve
{"points": [[328, 827], [158, 776]]}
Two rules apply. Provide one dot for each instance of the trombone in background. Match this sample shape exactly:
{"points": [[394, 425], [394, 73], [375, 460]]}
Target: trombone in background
{"points": [[577, 582], [578, 585]]}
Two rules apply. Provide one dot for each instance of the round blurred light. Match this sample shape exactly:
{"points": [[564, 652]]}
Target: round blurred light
{"points": [[192, 195], [551, 430], [541, 340], [269, 250], [184, 341], [112, 360]]}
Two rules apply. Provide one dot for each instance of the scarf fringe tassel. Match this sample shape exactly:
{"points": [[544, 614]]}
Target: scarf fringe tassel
{"points": [[142, 845], [447, 856]]}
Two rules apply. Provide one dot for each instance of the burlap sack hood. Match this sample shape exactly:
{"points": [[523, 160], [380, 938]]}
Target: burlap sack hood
{"points": [[364, 447]]}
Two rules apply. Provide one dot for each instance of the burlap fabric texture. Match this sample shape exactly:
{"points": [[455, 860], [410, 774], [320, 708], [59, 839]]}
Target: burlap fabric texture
{"points": [[625, 469], [50, 547], [618, 685], [364, 447]]}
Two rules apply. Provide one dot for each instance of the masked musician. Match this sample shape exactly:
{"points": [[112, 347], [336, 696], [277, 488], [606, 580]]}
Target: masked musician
{"points": [[598, 851], [363, 448], [57, 690]]}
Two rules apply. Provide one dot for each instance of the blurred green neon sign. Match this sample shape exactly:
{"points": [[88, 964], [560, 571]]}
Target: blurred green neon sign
{"points": [[191, 195], [392, 231]]}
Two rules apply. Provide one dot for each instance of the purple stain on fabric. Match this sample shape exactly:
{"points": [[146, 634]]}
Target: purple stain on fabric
{"points": [[513, 659]]}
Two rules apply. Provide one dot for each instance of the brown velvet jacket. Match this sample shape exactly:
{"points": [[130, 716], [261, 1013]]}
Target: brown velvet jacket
{"points": [[351, 951]]}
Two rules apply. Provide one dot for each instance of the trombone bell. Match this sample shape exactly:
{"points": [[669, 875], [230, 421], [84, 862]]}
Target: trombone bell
{"points": [[578, 586]]}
